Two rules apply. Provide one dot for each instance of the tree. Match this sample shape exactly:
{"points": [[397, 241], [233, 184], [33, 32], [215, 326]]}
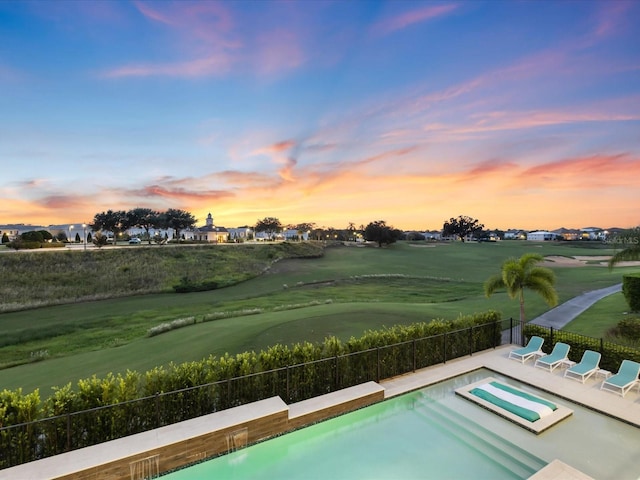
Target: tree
{"points": [[77, 237], [518, 274], [100, 240], [461, 227], [144, 218], [5, 237], [32, 236], [352, 232], [114, 222], [269, 225], [177, 220], [631, 240], [381, 233]]}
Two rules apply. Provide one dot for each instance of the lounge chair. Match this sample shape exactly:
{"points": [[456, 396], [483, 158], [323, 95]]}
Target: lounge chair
{"points": [[624, 380], [555, 358], [534, 347], [587, 367]]}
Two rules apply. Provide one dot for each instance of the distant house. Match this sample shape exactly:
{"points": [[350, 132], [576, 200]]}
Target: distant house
{"points": [[10, 231], [433, 235], [209, 233], [293, 234], [542, 236], [14, 230], [567, 233], [240, 233], [592, 233], [513, 234]]}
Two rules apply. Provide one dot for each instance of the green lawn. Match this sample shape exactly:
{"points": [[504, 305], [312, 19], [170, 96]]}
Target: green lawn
{"points": [[357, 288], [597, 320]]}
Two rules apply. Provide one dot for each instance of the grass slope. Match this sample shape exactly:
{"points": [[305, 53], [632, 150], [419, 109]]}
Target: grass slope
{"points": [[367, 288]]}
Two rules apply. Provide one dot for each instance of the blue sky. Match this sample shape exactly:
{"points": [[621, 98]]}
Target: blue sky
{"points": [[521, 114]]}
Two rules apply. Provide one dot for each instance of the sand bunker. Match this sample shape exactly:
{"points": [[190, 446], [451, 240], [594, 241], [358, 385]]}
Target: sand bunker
{"points": [[582, 261]]}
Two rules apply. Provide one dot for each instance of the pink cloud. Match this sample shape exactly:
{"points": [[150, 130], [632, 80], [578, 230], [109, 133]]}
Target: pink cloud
{"points": [[213, 65], [613, 17], [412, 17], [278, 51], [183, 194], [595, 171]]}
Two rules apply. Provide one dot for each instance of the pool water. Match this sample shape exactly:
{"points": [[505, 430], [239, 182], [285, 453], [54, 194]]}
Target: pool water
{"points": [[432, 433]]}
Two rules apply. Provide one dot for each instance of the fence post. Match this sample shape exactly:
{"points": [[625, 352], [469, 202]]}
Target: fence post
{"points": [[444, 348], [511, 330], [68, 432], [471, 341], [551, 335], [378, 363], [337, 375], [414, 355], [157, 403], [288, 393], [601, 345]]}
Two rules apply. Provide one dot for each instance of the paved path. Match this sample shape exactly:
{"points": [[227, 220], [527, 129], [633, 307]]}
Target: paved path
{"points": [[559, 316]]}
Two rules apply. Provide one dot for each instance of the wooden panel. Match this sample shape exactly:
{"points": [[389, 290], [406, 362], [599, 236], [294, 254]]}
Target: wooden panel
{"points": [[195, 449]]}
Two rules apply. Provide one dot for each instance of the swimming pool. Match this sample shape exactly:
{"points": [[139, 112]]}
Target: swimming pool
{"points": [[432, 433]]}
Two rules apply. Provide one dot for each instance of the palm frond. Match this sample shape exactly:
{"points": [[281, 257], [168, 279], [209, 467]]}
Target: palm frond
{"points": [[495, 282], [629, 254], [543, 288]]}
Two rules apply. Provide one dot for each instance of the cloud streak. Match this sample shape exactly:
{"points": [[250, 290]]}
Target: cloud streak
{"points": [[411, 18]]}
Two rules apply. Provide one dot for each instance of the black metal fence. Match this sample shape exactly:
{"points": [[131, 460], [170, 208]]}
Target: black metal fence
{"points": [[51, 436]]}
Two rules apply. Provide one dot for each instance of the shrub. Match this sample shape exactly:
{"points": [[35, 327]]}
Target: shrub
{"points": [[629, 328], [631, 290]]}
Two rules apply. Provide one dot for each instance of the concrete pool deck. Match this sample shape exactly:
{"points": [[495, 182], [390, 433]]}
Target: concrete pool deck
{"points": [[94, 462]]}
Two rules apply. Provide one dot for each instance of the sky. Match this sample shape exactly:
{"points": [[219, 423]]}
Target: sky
{"points": [[521, 114]]}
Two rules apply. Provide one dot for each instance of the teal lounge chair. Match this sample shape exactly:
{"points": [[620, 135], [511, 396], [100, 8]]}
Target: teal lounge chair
{"points": [[624, 380], [555, 358], [525, 353], [587, 367]]}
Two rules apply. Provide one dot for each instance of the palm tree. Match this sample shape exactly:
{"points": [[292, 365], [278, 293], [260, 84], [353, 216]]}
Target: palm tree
{"points": [[518, 274], [630, 238]]}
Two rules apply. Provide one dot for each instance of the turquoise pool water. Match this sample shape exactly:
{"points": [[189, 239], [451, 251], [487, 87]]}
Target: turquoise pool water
{"points": [[432, 433]]}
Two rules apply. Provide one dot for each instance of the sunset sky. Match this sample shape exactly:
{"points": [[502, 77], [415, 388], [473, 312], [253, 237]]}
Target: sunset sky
{"points": [[522, 114]]}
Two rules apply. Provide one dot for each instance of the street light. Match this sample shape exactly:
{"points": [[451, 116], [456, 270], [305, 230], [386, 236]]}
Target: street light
{"points": [[84, 239], [70, 233]]}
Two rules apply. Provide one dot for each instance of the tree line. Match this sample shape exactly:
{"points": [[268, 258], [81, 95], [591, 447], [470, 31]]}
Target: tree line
{"points": [[118, 221]]}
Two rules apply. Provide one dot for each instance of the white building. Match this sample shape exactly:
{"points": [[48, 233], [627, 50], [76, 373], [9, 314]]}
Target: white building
{"points": [[542, 236]]}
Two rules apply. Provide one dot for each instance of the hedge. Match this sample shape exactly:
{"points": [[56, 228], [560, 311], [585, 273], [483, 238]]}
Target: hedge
{"points": [[101, 409], [631, 290]]}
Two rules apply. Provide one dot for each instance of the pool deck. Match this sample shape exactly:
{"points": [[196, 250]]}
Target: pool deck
{"points": [[74, 464], [625, 408]]}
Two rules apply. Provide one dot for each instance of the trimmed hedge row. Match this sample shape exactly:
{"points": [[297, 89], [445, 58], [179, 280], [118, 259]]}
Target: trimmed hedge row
{"points": [[631, 290], [102, 409]]}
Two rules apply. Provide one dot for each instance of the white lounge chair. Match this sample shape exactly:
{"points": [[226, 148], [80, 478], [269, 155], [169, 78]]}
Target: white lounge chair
{"points": [[555, 358], [587, 367], [624, 380], [533, 347]]}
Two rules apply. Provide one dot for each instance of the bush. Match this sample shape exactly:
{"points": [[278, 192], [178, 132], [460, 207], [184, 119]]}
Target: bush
{"points": [[631, 290], [629, 328]]}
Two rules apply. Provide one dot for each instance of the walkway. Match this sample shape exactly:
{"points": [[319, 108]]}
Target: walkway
{"points": [[559, 316]]}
